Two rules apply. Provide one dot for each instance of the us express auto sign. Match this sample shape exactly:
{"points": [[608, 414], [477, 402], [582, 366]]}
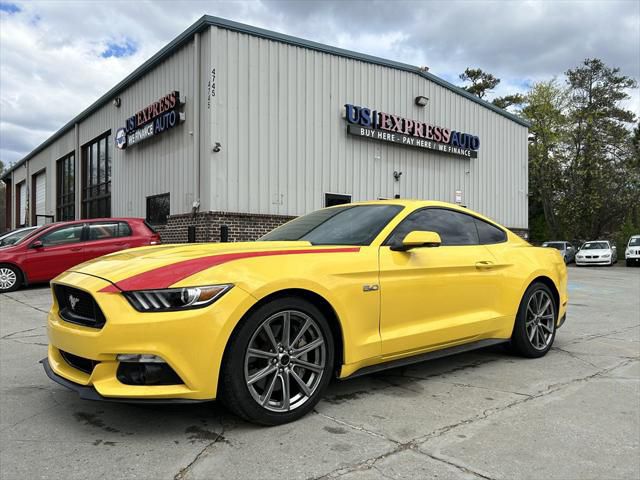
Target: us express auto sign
{"points": [[386, 127], [151, 121]]}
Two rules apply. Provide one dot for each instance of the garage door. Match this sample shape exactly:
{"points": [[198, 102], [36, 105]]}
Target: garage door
{"points": [[40, 196]]}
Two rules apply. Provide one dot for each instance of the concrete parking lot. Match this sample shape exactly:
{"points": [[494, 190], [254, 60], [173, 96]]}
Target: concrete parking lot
{"points": [[574, 414]]}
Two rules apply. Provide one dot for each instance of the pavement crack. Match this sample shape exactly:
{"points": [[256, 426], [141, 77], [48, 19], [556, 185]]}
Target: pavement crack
{"points": [[182, 474], [26, 304], [573, 355], [492, 411], [355, 427], [453, 464], [9, 336]]}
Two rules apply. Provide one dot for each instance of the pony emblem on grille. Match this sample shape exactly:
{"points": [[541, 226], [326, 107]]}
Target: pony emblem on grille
{"points": [[73, 301]]}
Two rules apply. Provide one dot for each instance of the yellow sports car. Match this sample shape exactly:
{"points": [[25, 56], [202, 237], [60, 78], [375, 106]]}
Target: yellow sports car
{"points": [[265, 325]]}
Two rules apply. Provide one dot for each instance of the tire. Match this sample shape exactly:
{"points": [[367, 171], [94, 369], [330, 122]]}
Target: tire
{"points": [[533, 336], [10, 278], [566, 260], [255, 395]]}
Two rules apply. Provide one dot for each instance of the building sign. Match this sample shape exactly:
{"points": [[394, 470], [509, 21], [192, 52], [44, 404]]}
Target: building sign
{"points": [[364, 122], [152, 120]]}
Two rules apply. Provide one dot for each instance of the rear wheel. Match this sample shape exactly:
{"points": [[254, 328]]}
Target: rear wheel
{"points": [[278, 363], [10, 278], [535, 326]]}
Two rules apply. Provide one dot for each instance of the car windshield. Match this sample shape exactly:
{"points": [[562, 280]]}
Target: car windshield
{"points": [[595, 246], [17, 236], [556, 245], [634, 242], [349, 225]]}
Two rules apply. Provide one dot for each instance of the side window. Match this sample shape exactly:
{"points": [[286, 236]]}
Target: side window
{"points": [[454, 228], [103, 231], [62, 236], [124, 230], [488, 233], [107, 230]]}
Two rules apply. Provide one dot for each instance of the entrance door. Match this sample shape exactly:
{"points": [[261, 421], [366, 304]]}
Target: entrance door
{"points": [[436, 296]]}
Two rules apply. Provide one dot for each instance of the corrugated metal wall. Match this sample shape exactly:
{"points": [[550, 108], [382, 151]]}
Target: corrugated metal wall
{"points": [[159, 165], [277, 115]]}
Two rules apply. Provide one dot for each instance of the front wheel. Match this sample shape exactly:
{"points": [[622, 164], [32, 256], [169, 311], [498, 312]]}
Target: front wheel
{"points": [[10, 278], [535, 326], [278, 362]]}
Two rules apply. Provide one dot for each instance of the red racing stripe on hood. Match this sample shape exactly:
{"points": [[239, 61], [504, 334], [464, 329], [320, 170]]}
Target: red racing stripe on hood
{"points": [[167, 275]]}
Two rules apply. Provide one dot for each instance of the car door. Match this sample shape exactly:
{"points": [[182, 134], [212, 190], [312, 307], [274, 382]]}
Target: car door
{"points": [[435, 296], [107, 237], [54, 251]]}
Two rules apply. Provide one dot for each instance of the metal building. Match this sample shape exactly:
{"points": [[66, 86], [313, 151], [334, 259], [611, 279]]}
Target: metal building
{"points": [[232, 125]]}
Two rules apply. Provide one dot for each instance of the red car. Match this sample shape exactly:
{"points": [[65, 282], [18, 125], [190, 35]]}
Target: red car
{"points": [[54, 248]]}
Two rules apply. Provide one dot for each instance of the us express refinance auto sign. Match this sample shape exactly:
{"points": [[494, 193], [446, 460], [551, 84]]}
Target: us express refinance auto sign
{"points": [[151, 121], [386, 127]]}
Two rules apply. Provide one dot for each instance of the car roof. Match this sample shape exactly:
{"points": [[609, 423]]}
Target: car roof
{"points": [[415, 204], [95, 220]]}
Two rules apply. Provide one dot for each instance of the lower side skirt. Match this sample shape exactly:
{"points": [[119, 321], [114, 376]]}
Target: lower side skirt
{"points": [[445, 352]]}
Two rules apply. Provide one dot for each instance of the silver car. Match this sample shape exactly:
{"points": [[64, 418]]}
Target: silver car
{"points": [[14, 236], [566, 250], [600, 252]]}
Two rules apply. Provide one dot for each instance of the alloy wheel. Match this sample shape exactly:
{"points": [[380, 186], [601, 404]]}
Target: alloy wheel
{"points": [[285, 361], [540, 320], [8, 278]]}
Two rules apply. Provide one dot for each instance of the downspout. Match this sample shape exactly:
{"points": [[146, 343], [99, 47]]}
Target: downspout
{"points": [[196, 119]]}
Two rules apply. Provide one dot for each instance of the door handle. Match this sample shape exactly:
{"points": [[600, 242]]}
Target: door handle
{"points": [[484, 265], [76, 249]]}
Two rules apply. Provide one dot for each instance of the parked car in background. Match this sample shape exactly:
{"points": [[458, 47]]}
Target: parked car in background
{"points": [[56, 247], [600, 252], [632, 252], [14, 236], [567, 250]]}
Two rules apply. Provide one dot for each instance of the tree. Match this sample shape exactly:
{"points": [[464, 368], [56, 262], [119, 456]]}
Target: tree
{"points": [[599, 152], [481, 82], [544, 110], [509, 100]]}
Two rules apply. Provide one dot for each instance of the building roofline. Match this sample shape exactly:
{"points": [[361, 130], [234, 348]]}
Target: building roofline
{"points": [[210, 21]]}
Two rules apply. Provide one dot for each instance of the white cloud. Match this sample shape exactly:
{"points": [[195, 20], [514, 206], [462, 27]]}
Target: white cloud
{"points": [[51, 66]]}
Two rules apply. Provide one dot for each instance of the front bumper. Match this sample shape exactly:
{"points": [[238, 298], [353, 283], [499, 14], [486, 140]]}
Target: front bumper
{"points": [[90, 393], [191, 342], [593, 261]]}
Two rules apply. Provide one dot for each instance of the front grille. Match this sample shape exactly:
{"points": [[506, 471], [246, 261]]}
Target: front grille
{"points": [[79, 307], [80, 363]]}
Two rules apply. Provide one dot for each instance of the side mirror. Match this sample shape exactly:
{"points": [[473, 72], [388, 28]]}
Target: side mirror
{"points": [[36, 244], [418, 239]]}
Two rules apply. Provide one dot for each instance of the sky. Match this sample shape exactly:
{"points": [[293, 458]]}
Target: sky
{"points": [[57, 57]]}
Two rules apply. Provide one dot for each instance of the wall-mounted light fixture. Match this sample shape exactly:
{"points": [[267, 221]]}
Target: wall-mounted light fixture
{"points": [[421, 101], [117, 102]]}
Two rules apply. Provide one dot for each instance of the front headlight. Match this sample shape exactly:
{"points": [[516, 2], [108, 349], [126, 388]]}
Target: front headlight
{"points": [[169, 299], [606, 255]]}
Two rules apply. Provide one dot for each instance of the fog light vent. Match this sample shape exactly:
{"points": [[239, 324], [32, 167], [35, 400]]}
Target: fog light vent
{"points": [[152, 372]]}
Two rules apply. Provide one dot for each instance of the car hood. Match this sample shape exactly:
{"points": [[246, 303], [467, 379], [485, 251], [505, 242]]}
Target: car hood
{"points": [[163, 265], [600, 251]]}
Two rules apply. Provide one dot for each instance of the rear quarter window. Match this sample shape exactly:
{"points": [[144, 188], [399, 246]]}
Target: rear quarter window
{"points": [[489, 233]]}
